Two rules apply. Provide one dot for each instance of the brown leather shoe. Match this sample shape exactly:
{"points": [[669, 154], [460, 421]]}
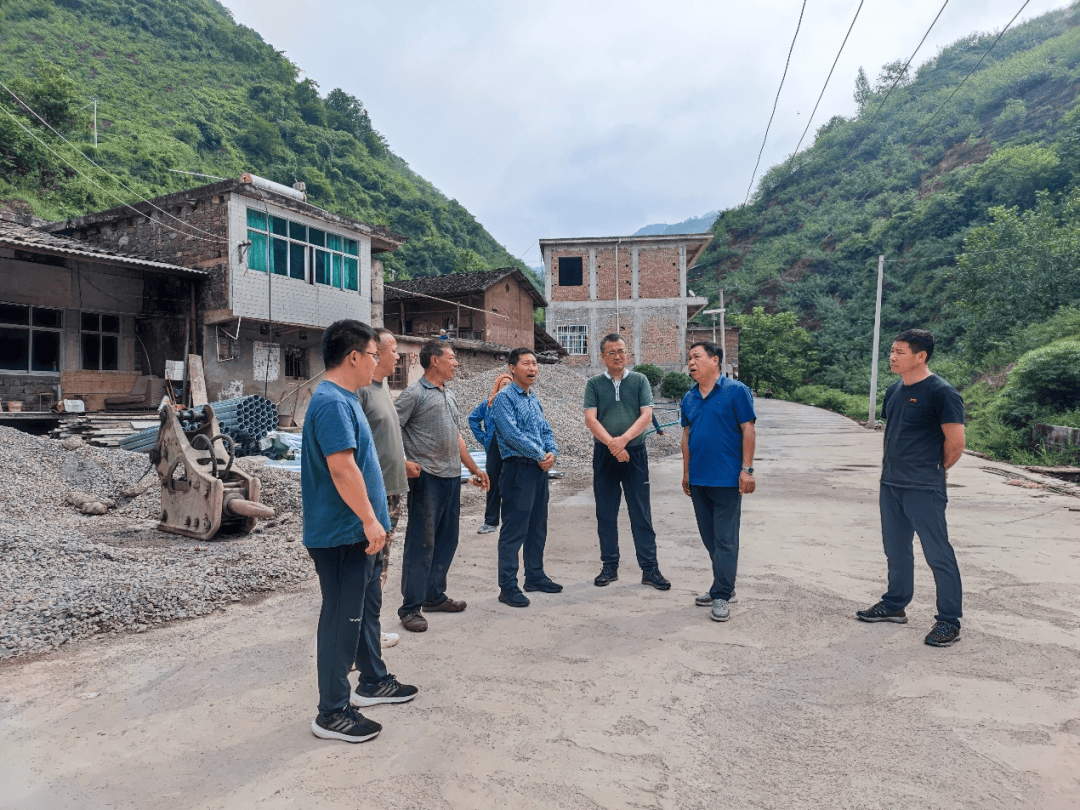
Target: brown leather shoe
{"points": [[448, 605], [414, 622]]}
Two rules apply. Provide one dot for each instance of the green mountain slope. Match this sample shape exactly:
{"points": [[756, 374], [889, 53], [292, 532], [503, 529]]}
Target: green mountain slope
{"points": [[929, 187], [181, 86]]}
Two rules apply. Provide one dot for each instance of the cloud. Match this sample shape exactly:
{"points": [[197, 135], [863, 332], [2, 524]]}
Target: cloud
{"points": [[594, 117]]}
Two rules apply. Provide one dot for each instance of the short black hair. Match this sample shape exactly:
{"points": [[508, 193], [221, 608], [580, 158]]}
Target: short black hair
{"points": [[344, 337], [920, 340], [517, 354], [431, 349], [710, 348], [610, 338]]}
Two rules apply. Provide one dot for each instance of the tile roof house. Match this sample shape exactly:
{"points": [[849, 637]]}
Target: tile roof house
{"points": [[492, 306], [85, 321], [278, 270]]}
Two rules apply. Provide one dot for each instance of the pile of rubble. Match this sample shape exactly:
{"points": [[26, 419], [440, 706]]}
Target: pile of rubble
{"points": [[562, 394], [65, 574]]}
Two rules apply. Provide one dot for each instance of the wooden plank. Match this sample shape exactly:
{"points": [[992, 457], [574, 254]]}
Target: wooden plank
{"points": [[198, 383]]}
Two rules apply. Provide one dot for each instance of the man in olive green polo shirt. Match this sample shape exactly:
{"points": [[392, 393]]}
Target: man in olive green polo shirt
{"points": [[618, 409]]}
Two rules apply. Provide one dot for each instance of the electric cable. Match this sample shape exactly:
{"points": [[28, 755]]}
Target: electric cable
{"points": [[33, 112], [827, 78], [981, 58], [83, 174], [775, 102]]}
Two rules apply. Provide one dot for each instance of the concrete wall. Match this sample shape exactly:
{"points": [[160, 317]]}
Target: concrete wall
{"points": [[265, 296]]}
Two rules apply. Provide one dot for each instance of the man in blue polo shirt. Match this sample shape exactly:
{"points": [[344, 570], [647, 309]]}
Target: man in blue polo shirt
{"points": [[718, 466], [345, 525]]}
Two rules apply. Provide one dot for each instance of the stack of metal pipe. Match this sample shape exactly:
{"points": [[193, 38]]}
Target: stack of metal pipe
{"points": [[246, 420]]}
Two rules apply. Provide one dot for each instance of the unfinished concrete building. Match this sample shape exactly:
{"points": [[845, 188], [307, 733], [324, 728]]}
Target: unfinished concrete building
{"points": [[634, 286]]}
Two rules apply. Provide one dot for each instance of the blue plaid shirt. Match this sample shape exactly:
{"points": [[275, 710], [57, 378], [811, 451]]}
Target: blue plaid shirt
{"points": [[520, 425]]}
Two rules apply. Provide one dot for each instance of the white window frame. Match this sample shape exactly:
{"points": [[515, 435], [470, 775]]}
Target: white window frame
{"points": [[574, 337]]}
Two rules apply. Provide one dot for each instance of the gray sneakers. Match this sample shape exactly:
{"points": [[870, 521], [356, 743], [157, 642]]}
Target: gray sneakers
{"points": [[705, 600], [720, 611], [487, 529]]}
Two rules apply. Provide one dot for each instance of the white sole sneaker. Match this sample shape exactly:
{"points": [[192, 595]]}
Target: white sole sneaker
{"points": [[706, 601], [349, 736], [722, 616]]}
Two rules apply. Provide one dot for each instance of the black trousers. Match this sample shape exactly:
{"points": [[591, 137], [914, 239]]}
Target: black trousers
{"points": [[348, 622], [611, 480], [431, 540], [525, 516]]}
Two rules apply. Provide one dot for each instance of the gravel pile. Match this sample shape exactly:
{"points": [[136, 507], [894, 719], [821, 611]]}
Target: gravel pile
{"points": [[562, 393], [66, 575]]}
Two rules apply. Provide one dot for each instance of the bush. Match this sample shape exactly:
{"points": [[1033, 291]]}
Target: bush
{"points": [[654, 374], [1045, 380], [675, 385], [830, 399]]}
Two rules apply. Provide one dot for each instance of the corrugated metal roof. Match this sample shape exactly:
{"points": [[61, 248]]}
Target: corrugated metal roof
{"points": [[24, 237]]}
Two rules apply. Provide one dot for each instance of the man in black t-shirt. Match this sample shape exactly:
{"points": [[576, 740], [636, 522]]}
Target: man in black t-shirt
{"points": [[924, 436]]}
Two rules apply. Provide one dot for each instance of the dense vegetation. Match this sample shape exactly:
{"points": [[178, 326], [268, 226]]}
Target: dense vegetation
{"points": [[972, 200], [181, 86]]}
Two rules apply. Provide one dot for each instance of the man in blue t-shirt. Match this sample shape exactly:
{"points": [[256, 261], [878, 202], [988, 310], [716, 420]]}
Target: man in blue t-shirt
{"points": [[345, 525], [718, 466], [924, 437]]}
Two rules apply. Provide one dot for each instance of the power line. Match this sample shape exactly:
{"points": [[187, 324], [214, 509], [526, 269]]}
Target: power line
{"points": [[106, 171], [827, 78], [896, 81], [775, 102], [981, 58]]}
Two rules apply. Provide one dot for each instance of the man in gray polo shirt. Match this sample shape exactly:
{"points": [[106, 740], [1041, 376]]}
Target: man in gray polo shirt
{"points": [[382, 417], [434, 453]]}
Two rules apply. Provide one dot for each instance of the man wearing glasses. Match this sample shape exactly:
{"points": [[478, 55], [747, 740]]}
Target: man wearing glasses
{"points": [[434, 453], [345, 525], [618, 409]]}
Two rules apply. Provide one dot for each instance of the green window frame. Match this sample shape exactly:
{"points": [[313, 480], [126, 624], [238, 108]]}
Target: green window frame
{"points": [[289, 248]]}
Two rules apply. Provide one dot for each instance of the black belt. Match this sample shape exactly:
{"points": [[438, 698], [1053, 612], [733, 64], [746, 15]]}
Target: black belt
{"points": [[519, 460]]}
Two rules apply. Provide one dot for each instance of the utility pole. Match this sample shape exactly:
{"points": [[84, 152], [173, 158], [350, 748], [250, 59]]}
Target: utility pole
{"points": [[871, 422], [723, 335]]}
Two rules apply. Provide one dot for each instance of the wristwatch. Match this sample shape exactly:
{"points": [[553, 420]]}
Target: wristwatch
{"points": [[748, 470]]}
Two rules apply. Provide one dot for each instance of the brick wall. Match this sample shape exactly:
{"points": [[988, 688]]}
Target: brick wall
{"points": [[507, 297], [661, 338], [569, 293], [658, 272]]}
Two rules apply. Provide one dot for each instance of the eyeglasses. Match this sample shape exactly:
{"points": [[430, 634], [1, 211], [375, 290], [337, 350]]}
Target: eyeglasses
{"points": [[616, 353], [373, 354]]}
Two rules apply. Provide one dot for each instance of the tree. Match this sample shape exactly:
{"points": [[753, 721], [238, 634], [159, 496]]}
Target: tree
{"points": [[863, 92], [773, 350], [1017, 270]]}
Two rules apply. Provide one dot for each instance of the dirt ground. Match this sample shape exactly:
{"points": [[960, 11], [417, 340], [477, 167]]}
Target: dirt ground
{"points": [[623, 696]]}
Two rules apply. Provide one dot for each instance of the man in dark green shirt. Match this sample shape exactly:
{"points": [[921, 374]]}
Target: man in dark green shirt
{"points": [[618, 409]]}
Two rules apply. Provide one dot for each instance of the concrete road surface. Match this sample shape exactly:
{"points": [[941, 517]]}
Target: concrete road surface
{"points": [[621, 696]]}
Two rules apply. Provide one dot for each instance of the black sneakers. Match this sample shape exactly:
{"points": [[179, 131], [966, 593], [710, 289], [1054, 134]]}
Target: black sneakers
{"points": [[514, 598], [388, 690], [609, 573], [652, 576], [880, 613], [347, 725], [544, 585], [943, 634]]}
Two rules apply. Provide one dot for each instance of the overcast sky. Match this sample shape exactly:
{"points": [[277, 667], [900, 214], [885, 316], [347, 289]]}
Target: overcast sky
{"points": [[559, 118]]}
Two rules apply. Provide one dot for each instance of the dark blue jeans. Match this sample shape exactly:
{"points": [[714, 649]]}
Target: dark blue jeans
{"points": [[348, 621], [905, 512], [718, 511], [431, 540], [611, 479], [524, 489], [493, 468]]}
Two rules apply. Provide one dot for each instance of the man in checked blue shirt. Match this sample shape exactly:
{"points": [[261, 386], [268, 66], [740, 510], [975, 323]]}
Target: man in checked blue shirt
{"points": [[718, 466], [528, 451]]}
